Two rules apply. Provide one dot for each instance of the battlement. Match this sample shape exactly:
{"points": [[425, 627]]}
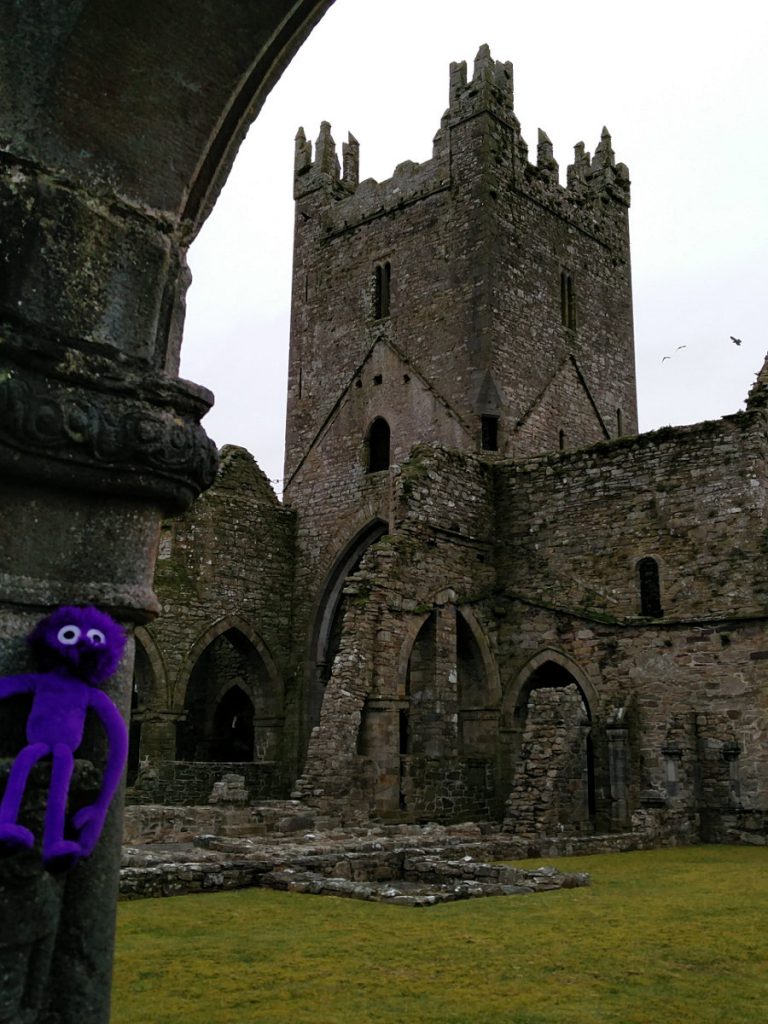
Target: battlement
{"points": [[491, 86], [590, 180], [324, 171]]}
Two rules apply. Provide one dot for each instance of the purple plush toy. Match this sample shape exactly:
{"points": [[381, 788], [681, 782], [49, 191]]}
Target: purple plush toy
{"points": [[80, 648]]}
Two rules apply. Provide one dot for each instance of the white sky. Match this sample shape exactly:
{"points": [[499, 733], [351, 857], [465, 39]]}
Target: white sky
{"points": [[681, 85]]}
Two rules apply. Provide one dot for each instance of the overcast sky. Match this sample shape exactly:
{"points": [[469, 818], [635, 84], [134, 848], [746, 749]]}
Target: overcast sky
{"points": [[683, 89]]}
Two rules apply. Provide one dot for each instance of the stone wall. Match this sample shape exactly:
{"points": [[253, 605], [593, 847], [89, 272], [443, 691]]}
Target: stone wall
{"points": [[224, 577], [190, 783]]}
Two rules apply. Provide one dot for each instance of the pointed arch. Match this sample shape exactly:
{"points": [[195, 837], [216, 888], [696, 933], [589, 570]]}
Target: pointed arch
{"points": [[378, 442], [549, 722], [328, 612], [230, 697], [210, 633], [156, 686], [516, 694]]}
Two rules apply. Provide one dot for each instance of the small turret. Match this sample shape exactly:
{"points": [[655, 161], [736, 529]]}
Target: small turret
{"points": [[302, 160], [599, 174], [578, 171], [491, 87], [545, 158], [351, 156], [324, 171]]}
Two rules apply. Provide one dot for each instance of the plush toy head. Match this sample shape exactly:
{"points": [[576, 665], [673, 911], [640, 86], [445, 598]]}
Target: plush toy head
{"points": [[85, 641]]}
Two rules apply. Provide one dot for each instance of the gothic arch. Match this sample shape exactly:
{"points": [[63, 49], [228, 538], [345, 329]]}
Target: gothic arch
{"points": [[550, 760], [328, 609], [515, 696], [232, 697], [489, 662], [205, 639], [154, 658]]}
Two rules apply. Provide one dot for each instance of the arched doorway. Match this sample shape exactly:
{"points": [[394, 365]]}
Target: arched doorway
{"points": [[432, 739], [326, 635], [553, 789], [232, 710], [232, 733]]}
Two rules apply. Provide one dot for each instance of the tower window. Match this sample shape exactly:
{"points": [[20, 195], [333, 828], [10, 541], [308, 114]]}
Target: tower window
{"points": [[378, 446], [489, 433], [382, 279], [567, 304], [561, 440], [650, 589], [619, 423]]}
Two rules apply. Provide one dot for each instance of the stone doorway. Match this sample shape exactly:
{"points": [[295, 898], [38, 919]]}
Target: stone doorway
{"points": [[553, 790]]}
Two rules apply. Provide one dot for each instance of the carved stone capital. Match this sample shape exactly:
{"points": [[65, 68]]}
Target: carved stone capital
{"points": [[87, 420]]}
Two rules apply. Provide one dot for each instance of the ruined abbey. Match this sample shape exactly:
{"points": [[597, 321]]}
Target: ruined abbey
{"points": [[484, 596]]}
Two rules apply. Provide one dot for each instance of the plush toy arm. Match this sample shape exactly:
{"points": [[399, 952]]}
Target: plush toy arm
{"points": [[90, 819], [10, 686]]}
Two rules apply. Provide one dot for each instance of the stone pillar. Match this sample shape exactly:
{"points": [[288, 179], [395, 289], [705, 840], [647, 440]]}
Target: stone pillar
{"points": [[97, 443], [618, 761], [445, 739], [381, 741]]}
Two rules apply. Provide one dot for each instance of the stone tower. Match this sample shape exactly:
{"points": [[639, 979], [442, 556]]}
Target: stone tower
{"points": [[471, 300]]}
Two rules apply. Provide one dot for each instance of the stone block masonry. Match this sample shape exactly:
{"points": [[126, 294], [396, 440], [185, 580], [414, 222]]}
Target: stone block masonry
{"points": [[484, 597]]}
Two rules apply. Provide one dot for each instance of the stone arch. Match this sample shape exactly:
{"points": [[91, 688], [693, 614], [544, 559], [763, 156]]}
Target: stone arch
{"points": [[329, 610], [233, 726], [516, 692], [223, 625], [549, 714], [149, 690], [229, 676], [433, 755], [378, 445], [157, 692]]}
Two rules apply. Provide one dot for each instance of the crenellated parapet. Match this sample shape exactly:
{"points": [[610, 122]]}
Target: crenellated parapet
{"points": [[594, 197], [491, 88], [324, 171]]}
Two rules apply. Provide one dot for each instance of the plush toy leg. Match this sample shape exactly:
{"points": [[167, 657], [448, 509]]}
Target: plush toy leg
{"points": [[10, 832], [59, 853]]}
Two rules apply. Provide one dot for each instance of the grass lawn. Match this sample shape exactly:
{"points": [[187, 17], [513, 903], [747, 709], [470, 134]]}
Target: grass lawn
{"points": [[660, 937]]}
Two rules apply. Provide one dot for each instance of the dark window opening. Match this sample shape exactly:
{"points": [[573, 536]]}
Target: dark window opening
{"points": [[378, 446], [382, 280], [650, 589], [489, 433], [567, 304], [377, 378], [619, 423], [404, 733], [232, 734], [561, 440]]}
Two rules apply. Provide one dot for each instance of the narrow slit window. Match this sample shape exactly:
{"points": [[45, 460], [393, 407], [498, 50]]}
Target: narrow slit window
{"points": [[619, 423], [650, 588], [378, 446], [381, 291], [489, 433], [561, 440], [567, 304]]}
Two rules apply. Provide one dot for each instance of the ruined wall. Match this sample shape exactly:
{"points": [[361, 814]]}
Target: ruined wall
{"points": [[574, 527], [543, 556], [224, 569]]}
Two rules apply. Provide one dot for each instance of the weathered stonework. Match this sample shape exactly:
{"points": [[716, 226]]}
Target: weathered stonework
{"points": [[485, 597]]}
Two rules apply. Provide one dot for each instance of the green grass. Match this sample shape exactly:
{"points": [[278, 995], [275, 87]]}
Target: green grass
{"points": [[660, 937]]}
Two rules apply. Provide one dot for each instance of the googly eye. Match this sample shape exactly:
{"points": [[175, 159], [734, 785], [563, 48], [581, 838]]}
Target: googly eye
{"points": [[69, 635], [96, 637]]}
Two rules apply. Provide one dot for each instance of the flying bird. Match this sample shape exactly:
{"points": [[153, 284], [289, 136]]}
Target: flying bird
{"points": [[736, 341], [664, 358]]}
